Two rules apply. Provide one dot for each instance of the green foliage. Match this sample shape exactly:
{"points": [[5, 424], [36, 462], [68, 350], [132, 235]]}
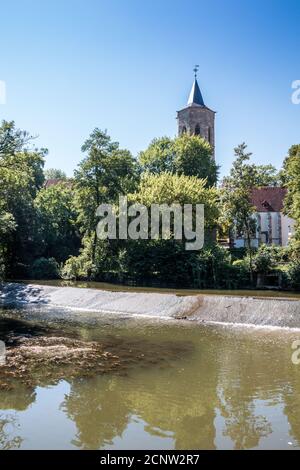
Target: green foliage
{"points": [[21, 177], [54, 173], [168, 188], [57, 233], [293, 250], [237, 210], [7, 227], [184, 155], [264, 260], [159, 156], [42, 228], [7, 222], [12, 140], [106, 172], [76, 267], [2, 268], [45, 268], [293, 274], [166, 263], [93, 260], [266, 175], [291, 179], [102, 175], [148, 259]]}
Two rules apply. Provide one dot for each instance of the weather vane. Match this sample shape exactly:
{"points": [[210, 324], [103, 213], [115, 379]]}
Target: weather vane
{"points": [[195, 70]]}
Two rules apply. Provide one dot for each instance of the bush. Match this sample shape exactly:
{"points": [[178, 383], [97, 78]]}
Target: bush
{"points": [[293, 275], [76, 267], [264, 260], [293, 250], [45, 268], [2, 269], [82, 267], [241, 274]]}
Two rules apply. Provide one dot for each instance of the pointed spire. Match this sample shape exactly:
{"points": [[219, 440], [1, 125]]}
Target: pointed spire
{"points": [[195, 94]]}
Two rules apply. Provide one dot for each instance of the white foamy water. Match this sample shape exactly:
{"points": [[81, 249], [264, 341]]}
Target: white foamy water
{"points": [[262, 312]]}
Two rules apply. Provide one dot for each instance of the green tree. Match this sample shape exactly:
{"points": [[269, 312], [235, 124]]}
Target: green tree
{"points": [[184, 155], [21, 177], [167, 188], [159, 156], [7, 226], [13, 140], [237, 211], [58, 235], [168, 261], [291, 179], [104, 173], [266, 175], [54, 173]]}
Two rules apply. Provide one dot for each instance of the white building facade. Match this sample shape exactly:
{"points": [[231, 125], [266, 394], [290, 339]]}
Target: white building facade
{"points": [[272, 226]]}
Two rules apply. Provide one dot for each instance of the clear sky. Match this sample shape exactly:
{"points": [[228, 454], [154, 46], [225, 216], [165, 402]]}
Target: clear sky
{"points": [[126, 66]]}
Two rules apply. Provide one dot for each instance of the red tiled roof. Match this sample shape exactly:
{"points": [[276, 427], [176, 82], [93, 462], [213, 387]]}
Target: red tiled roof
{"points": [[52, 182], [268, 199]]}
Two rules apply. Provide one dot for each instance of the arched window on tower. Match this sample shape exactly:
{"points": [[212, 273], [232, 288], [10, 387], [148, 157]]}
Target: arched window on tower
{"points": [[183, 130], [197, 130], [209, 135]]}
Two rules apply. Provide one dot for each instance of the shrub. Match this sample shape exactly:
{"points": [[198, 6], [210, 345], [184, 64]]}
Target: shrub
{"points": [[74, 268], [293, 275], [2, 269], [293, 250], [45, 268], [264, 259]]}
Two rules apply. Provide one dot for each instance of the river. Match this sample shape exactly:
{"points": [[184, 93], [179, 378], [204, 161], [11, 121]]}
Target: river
{"points": [[166, 385]]}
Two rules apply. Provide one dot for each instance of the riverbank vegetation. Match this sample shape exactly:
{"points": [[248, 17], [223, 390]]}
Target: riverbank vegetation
{"points": [[48, 221]]}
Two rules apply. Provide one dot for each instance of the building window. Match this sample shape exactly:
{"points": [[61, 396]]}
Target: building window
{"points": [[197, 130], [209, 135], [264, 237], [183, 130]]}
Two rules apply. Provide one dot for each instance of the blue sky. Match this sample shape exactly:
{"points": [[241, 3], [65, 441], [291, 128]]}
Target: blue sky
{"points": [[126, 66]]}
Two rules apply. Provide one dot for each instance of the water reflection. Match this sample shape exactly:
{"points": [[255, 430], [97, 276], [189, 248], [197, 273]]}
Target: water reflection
{"points": [[206, 387]]}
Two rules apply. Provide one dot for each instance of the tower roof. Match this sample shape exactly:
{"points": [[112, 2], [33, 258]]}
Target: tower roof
{"points": [[195, 95]]}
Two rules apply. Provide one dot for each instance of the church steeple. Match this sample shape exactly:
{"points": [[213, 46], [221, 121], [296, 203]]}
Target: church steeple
{"points": [[196, 118], [195, 97]]}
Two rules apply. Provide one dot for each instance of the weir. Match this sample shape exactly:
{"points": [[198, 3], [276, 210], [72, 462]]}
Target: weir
{"points": [[198, 308]]}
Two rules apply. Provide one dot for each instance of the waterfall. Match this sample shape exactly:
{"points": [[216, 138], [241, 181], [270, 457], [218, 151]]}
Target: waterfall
{"points": [[198, 308]]}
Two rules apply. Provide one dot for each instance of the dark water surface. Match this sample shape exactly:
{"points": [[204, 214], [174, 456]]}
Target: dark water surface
{"points": [[176, 386]]}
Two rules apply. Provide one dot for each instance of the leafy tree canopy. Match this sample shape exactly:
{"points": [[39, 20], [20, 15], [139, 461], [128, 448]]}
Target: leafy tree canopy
{"points": [[57, 215], [54, 173], [184, 155], [167, 188], [291, 180]]}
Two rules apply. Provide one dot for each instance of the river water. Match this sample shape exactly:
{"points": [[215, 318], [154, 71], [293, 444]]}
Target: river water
{"points": [[177, 386]]}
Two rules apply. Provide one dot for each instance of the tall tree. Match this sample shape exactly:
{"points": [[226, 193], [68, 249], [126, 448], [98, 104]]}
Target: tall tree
{"points": [[56, 213], [21, 176], [104, 173], [291, 179], [237, 209], [184, 155], [167, 260], [13, 140]]}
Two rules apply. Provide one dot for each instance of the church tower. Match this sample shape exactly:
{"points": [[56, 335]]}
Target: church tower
{"points": [[196, 118]]}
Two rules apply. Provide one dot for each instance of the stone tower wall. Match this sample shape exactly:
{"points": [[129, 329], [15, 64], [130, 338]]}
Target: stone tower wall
{"points": [[197, 118]]}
